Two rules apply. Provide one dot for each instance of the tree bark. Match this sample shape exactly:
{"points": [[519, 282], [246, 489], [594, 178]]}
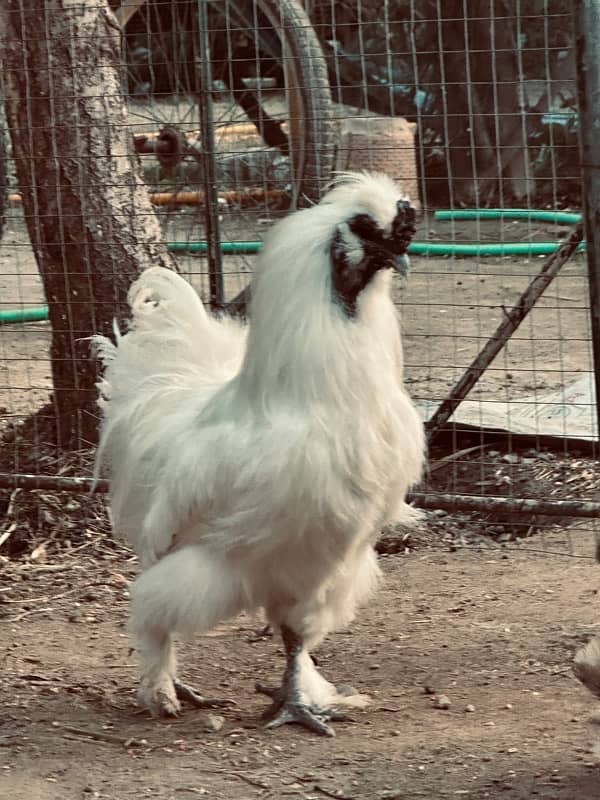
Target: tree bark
{"points": [[88, 213], [496, 68], [484, 142]]}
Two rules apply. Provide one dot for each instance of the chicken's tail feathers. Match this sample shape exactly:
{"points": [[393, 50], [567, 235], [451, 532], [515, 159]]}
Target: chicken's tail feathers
{"points": [[172, 344], [103, 348], [171, 324], [160, 299]]}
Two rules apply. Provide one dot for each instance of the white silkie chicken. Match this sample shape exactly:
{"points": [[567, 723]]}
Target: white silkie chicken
{"points": [[254, 466]]}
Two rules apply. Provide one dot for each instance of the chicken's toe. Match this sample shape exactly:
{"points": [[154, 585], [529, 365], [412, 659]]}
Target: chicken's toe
{"points": [[274, 692], [185, 692], [284, 710], [314, 719], [300, 715]]}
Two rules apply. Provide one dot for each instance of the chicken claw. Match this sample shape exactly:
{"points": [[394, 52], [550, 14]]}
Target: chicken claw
{"points": [[287, 709], [185, 692], [305, 697]]}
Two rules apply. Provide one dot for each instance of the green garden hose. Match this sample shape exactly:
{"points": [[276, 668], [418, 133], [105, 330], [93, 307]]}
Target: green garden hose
{"points": [[560, 217], [495, 249], [12, 315], [40, 313], [227, 248]]}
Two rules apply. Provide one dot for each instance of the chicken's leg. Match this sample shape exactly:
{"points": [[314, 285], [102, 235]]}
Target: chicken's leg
{"points": [[305, 697], [185, 590]]}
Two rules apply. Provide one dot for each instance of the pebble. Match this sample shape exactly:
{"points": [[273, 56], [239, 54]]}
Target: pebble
{"points": [[213, 723], [442, 701], [470, 708]]}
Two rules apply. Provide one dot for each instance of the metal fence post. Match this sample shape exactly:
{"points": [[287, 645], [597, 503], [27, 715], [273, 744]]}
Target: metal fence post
{"points": [[587, 51], [207, 132]]}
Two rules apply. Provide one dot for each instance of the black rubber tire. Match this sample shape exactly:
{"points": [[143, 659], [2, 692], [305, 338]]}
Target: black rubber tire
{"points": [[313, 155], [283, 33]]}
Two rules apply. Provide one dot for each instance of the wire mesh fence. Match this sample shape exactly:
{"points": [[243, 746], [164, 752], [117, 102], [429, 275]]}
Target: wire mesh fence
{"points": [[240, 110]]}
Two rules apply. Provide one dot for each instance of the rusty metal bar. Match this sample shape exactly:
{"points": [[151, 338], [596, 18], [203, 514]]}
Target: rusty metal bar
{"points": [[503, 332], [512, 505], [448, 502], [55, 483], [207, 132]]}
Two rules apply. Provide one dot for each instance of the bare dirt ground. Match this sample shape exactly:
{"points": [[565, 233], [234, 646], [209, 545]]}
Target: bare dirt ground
{"points": [[494, 631]]}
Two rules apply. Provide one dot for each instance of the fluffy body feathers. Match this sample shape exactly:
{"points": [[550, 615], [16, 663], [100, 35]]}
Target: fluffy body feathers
{"points": [[254, 466]]}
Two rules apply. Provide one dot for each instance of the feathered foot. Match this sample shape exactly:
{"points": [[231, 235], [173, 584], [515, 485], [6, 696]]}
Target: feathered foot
{"points": [[305, 697], [162, 699], [159, 696], [288, 707]]}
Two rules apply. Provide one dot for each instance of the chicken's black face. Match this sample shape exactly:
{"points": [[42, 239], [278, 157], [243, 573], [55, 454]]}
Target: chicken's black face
{"points": [[361, 247]]}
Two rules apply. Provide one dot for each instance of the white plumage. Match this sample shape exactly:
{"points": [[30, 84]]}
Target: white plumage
{"points": [[253, 466]]}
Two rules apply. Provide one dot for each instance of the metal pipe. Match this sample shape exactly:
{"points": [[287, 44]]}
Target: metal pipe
{"points": [[503, 332], [587, 54], [207, 133], [55, 483], [512, 505], [432, 500]]}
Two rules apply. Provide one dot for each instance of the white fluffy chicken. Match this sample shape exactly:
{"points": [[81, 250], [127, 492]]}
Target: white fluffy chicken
{"points": [[253, 467]]}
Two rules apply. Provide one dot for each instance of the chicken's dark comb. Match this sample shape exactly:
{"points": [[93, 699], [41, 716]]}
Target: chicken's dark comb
{"points": [[404, 226]]}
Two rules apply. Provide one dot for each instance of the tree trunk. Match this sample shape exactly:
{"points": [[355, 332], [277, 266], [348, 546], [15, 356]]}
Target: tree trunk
{"points": [[485, 145], [493, 38], [88, 213], [467, 142], [512, 129]]}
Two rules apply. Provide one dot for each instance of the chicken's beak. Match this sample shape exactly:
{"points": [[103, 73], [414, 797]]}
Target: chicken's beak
{"points": [[401, 264]]}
